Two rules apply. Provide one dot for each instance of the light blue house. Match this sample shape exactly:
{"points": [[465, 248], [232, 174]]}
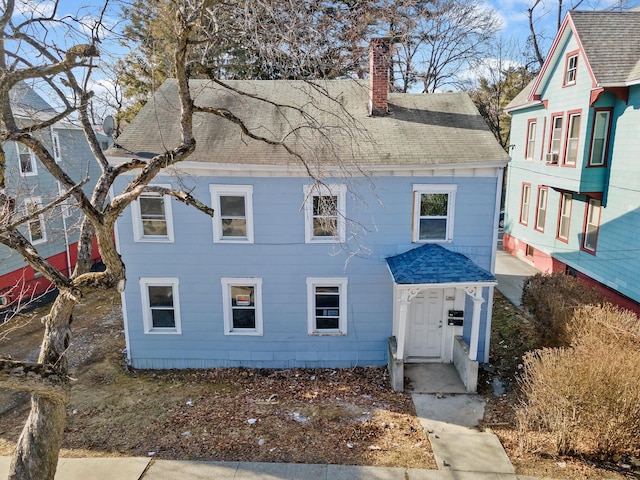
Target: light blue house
{"points": [[375, 245], [54, 233], [573, 196]]}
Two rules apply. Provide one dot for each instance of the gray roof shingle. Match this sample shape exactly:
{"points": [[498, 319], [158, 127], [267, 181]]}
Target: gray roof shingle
{"points": [[611, 42], [434, 264], [329, 124]]}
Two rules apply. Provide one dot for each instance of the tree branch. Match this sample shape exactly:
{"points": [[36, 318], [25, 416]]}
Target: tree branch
{"points": [[44, 380]]}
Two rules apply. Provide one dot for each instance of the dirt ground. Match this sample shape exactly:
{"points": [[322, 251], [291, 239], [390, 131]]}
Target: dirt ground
{"points": [[342, 416]]}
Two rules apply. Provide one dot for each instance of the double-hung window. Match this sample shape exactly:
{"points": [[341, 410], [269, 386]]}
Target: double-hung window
{"points": [[327, 305], [531, 140], [591, 225], [564, 221], [541, 213], [573, 135], [55, 146], [325, 213], [242, 306], [160, 305], [600, 138], [152, 217], [556, 139], [233, 217], [433, 212], [37, 232], [571, 69], [525, 201], [27, 160]]}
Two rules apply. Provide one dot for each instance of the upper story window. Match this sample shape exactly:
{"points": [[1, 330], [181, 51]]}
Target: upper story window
{"points": [[55, 146], [573, 135], [152, 217], [556, 139], [233, 218], [433, 212], [541, 213], [525, 200], [160, 305], [564, 221], [571, 69], [242, 306], [37, 232], [325, 213], [600, 138], [27, 160], [327, 304], [531, 140], [591, 225]]}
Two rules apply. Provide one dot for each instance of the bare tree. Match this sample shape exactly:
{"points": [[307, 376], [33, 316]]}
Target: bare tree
{"points": [[438, 39], [33, 49]]}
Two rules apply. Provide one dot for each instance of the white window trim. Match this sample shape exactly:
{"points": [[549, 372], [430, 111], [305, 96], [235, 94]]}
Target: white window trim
{"points": [[339, 191], [55, 146], [601, 161], [147, 320], [138, 231], [32, 158], [233, 190], [227, 283], [314, 282], [418, 190], [38, 203]]}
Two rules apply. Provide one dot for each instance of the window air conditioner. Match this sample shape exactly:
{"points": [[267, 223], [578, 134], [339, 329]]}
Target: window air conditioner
{"points": [[552, 158]]}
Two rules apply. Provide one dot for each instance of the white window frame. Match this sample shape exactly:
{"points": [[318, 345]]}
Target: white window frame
{"points": [[245, 191], [339, 282], [564, 216], [138, 230], [32, 159], [571, 72], [572, 142], [525, 202], [604, 138], [227, 307], [418, 191], [147, 318], [531, 140], [541, 212], [592, 224], [335, 190], [37, 202], [55, 146]]}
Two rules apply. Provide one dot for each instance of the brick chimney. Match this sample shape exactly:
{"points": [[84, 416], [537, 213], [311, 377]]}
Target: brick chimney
{"points": [[379, 52]]}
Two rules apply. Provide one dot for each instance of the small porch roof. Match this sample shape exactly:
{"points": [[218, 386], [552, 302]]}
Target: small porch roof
{"points": [[434, 264]]}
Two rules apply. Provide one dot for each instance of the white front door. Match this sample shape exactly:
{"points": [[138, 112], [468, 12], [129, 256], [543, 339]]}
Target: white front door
{"points": [[425, 327]]}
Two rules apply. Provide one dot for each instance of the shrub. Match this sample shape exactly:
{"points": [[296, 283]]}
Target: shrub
{"points": [[551, 299], [585, 399]]}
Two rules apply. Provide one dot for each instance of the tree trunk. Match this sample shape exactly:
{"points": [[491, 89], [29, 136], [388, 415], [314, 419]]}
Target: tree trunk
{"points": [[36, 455]]}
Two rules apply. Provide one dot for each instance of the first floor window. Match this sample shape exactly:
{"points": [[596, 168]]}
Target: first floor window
{"points": [[433, 212], [525, 200], [325, 207], [161, 313], [152, 217], [242, 306], [541, 214], [565, 216], [37, 233], [592, 223], [327, 301], [233, 218], [27, 160]]}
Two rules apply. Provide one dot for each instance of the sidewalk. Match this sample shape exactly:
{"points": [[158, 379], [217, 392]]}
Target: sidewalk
{"points": [[511, 272]]}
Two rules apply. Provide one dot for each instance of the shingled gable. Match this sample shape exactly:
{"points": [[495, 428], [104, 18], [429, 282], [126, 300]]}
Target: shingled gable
{"points": [[335, 127], [610, 46]]}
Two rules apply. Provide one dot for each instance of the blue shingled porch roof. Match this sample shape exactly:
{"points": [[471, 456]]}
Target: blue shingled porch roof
{"points": [[432, 263]]}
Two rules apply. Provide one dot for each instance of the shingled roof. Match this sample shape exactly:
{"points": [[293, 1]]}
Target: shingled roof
{"points": [[611, 43], [325, 120], [434, 264]]}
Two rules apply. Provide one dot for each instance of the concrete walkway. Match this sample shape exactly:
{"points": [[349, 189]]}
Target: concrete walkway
{"points": [[511, 272]]}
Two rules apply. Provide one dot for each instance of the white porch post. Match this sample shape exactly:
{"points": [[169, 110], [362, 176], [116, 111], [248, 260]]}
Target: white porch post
{"points": [[476, 294], [403, 313]]}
